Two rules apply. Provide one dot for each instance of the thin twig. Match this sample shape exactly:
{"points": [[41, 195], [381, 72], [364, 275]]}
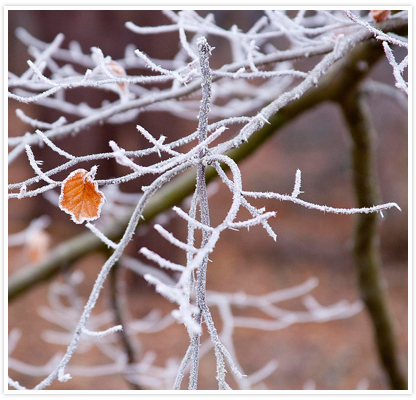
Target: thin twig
{"points": [[119, 316]]}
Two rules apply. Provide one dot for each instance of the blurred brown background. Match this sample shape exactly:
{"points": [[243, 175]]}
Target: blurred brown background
{"points": [[336, 354]]}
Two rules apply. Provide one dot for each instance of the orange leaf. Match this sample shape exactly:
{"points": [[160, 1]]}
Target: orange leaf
{"points": [[380, 15], [80, 197]]}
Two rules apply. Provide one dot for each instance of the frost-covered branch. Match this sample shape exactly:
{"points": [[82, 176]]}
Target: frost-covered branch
{"points": [[106, 112], [145, 371], [398, 69], [257, 86]]}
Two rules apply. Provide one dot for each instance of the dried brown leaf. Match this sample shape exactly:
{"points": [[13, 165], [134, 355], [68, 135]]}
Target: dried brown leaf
{"points": [[80, 197], [380, 15]]}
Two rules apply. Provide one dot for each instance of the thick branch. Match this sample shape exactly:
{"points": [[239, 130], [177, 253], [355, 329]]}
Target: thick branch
{"points": [[345, 75], [367, 236]]}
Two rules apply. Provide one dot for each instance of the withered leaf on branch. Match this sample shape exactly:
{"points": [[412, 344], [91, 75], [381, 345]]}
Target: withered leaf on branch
{"points": [[80, 197], [380, 15], [118, 70]]}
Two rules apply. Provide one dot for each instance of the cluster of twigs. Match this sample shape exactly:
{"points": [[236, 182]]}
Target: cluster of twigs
{"points": [[331, 34]]}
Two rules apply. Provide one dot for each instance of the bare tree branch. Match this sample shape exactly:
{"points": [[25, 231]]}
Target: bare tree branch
{"points": [[332, 87], [367, 235]]}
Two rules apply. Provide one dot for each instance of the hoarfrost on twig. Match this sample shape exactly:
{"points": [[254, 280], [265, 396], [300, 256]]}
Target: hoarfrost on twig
{"points": [[248, 103]]}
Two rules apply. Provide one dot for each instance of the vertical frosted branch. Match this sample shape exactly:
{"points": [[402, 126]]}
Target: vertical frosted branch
{"points": [[296, 189], [204, 50]]}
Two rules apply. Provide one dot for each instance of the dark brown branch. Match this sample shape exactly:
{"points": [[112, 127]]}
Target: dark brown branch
{"points": [[117, 304], [367, 236]]}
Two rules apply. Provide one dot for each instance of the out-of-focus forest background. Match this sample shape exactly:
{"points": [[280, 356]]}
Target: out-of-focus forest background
{"points": [[333, 355]]}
